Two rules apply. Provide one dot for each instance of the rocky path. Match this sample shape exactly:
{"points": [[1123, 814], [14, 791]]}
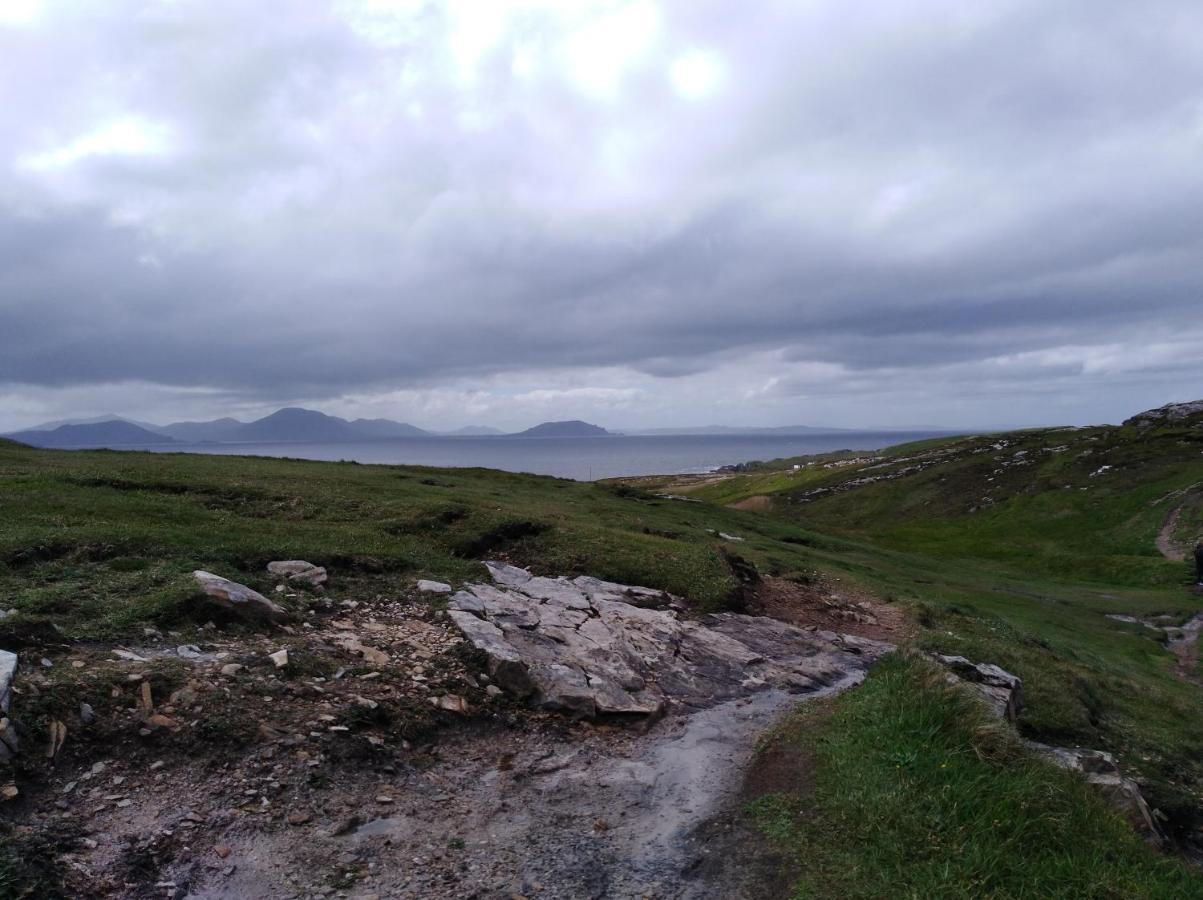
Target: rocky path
{"points": [[543, 737], [601, 808], [598, 813]]}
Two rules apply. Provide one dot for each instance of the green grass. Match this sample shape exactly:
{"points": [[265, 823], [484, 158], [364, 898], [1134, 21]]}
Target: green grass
{"points": [[100, 543], [918, 793]]}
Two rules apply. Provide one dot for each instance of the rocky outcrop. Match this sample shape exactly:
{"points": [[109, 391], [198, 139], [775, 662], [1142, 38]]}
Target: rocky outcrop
{"points": [[238, 598], [998, 687], [1103, 774], [1170, 413], [596, 647], [1003, 692], [298, 570]]}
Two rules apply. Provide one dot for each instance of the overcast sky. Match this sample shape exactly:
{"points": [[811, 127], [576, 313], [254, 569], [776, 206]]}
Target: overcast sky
{"points": [[888, 213]]}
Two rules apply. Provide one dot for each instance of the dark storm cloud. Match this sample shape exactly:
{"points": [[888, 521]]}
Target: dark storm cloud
{"points": [[306, 200]]}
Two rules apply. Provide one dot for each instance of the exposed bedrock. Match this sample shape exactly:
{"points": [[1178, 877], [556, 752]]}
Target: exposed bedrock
{"points": [[595, 647]]}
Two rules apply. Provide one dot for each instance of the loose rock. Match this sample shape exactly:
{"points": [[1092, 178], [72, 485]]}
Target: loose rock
{"points": [[239, 598], [434, 587], [298, 570]]}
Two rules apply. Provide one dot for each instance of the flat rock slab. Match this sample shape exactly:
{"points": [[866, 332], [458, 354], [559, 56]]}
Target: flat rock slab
{"points": [[595, 647]]}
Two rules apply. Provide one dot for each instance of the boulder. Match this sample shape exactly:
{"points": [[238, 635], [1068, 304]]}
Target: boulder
{"points": [[298, 570], [592, 647], [238, 598]]}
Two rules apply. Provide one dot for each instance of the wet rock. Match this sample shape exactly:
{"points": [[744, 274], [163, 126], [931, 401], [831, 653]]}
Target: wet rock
{"points": [[239, 598], [8, 671], [434, 587], [592, 647], [298, 570]]}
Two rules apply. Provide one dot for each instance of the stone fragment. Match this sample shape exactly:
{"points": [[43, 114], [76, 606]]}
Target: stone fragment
{"points": [[299, 817], [451, 703], [298, 570], [229, 670], [238, 598], [87, 715], [434, 587], [279, 658]]}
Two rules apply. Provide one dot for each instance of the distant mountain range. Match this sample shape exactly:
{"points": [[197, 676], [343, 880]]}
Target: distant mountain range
{"points": [[290, 425]]}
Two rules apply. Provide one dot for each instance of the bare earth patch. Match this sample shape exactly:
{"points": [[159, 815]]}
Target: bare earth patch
{"points": [[831, 607]]}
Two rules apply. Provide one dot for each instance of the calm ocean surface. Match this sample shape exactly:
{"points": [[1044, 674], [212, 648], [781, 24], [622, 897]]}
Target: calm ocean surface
{"points": [[583, 459]]}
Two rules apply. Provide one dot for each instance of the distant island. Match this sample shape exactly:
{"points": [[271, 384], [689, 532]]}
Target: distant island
{"points": [[573, 428], [288, 425]]}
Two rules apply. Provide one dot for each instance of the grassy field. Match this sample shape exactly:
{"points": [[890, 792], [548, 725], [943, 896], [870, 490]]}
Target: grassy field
{"points": [[100, 543], [919, 793], [1009, 549]]}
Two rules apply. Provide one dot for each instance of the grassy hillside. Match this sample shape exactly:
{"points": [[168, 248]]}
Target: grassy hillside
{"points": [[1009, 549], [1013, 549], [101, 542]]}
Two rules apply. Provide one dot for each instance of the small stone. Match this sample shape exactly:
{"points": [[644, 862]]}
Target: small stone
{"points": [[9, 792], [229, 670], [87, 715], [451, 703], [492, 690], [383, 798], [299, 817], [434, 587], [280, 658], [221, 850]]}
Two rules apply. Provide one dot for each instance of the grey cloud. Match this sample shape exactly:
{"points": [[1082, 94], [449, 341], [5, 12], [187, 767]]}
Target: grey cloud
{"points": [[327, 209]]}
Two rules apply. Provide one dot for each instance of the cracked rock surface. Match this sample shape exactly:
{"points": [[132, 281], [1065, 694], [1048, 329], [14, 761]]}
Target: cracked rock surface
{"points": [[596, 647]]}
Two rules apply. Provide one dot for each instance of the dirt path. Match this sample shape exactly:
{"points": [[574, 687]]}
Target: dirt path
{"points": [[1166, 544]]}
